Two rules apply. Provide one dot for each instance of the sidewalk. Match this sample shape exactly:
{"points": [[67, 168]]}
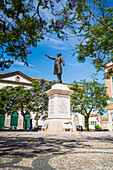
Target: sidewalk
{"points": [[64, 151]]}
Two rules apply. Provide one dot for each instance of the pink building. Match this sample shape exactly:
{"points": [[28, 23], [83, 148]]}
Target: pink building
{"points": [[109, 85], [104, 123]]}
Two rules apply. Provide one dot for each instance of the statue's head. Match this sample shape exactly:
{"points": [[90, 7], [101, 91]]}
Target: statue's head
{"points": [[59, 54]]}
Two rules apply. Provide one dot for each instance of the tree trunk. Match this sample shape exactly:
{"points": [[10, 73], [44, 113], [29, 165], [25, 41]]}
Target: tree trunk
{"points": [[87, 119], [25, 123], [37, 119]]}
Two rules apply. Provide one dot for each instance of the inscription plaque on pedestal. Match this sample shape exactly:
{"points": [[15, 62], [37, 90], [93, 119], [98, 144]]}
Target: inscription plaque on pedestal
{"points": [[63, 106]]}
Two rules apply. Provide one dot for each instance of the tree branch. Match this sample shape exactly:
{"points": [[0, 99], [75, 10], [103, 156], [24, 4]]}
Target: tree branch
{"points": [[98, 19]]}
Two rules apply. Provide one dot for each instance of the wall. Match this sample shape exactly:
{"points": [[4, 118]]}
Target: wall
{"points": [[93, 119], [104, 124]]}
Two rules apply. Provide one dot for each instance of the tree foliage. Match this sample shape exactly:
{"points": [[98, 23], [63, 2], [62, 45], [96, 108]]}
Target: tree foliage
{"points": [[40, 88], [89, 97], [22, 24], [25, 100], [19, 99], [96, 29], [3, 99]]}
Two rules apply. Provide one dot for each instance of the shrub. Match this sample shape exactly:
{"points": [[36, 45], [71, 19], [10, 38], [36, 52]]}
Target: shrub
{"points": [[97, 127]]}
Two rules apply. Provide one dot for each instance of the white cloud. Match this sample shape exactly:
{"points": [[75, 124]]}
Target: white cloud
{"points": [[59, 48], [46, 14], [22, 64], [75, 64], [54, 40], [30, 70], [55, 43]]}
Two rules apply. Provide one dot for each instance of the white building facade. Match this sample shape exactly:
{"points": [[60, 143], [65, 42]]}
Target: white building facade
{"points": [[16, 119], [78, 119], [94, 120]]}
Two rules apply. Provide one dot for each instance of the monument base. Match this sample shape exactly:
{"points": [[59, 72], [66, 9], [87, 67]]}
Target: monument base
{"points": [[59, 125], [59, 118]]}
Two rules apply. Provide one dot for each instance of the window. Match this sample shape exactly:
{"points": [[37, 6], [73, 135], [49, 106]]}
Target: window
{"points": [[110, 100], [17, 78], [76, 120], [93, 123], [104, 124]]}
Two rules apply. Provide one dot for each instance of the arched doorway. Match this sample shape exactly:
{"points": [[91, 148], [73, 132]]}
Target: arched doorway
{"points": [[27, 117], [14, 119], [2, 119]]}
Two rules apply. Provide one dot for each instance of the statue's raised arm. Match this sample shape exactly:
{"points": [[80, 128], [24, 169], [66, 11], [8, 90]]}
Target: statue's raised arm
{"points": [[50, 57]]}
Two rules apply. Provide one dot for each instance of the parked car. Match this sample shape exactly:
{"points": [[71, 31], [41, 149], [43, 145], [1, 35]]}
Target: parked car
{"points": [[38, 128], [5, 127]]}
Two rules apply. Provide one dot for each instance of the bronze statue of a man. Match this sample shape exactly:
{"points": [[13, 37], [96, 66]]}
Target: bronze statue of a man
{"points": [[57, 65]]}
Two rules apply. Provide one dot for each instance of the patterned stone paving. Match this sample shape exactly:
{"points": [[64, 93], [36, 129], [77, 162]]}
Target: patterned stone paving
{"points": [[83, 161], [68, 151]]}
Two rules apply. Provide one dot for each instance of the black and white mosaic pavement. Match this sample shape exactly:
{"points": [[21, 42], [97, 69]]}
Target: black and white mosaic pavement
{"points": [[69, 151]]}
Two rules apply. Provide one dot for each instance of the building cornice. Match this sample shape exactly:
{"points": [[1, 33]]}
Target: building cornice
{"points": [[15, 82], [109, 64], [15, 73]]}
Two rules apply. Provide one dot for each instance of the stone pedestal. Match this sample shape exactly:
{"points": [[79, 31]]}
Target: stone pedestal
{"points": [[59, 107]]}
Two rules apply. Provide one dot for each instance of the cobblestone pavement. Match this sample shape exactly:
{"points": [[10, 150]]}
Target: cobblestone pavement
{"points": [[64, 151]]}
